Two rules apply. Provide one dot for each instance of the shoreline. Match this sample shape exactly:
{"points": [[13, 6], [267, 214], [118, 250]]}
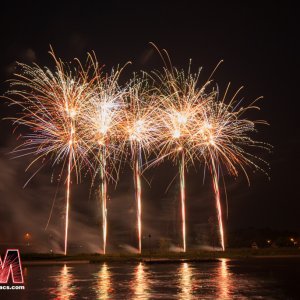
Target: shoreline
{"points": [[31, 259], [26, 263]]}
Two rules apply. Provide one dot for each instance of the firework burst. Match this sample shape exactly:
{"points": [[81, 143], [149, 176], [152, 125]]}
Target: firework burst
{"points": [[221, 137], [51, 103], [79, 117], [197, 127], [99, 123], [181, 102], [139, 131]]}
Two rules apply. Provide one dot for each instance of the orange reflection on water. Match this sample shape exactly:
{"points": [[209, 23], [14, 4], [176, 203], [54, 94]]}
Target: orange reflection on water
{"points": [[185, 274], [140, 283], [104, 283], [224, 280], [65, 289]]}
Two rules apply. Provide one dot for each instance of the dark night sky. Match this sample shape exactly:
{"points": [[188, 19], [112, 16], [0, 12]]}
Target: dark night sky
{"points": [[258, 43]]}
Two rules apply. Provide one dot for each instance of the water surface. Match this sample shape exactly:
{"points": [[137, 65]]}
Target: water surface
{"points": [[267, 278]]}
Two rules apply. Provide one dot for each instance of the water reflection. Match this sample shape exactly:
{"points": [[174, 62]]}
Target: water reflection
{"points": [[227, 279], [104, 283], [65, 289], [185, 282], [224, 280], [140, 283]]}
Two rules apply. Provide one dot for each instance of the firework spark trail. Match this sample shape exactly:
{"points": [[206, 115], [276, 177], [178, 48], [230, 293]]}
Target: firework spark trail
{"points": [[68, 200], [218, 203], [182, 194], [103, 195], [138, 196], [136, 163], [71, 142]]}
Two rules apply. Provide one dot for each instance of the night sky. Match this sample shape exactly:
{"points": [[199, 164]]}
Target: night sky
{"points": [[258, 43]]}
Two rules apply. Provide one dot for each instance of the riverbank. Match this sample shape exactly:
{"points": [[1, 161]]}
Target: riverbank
{"points": [[159, 257]]}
